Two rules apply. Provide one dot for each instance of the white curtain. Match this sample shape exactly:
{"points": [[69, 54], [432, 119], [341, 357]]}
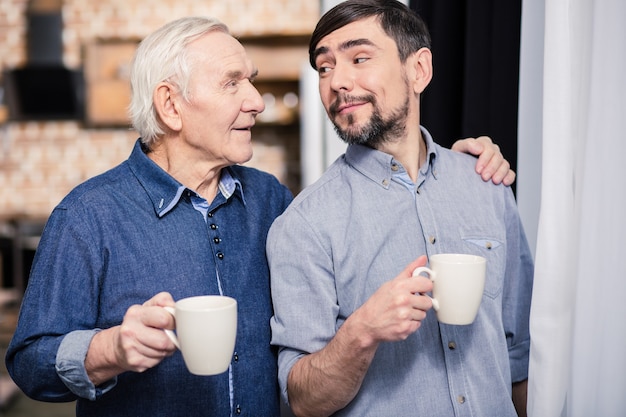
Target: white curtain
{"points": [[578, 315]]}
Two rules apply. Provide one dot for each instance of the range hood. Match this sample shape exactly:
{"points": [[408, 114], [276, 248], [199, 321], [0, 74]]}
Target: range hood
{"points": [[44, 89]]}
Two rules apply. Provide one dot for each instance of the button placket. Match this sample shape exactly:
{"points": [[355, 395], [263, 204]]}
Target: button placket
{"points": [[216, 239], [455, 370]]}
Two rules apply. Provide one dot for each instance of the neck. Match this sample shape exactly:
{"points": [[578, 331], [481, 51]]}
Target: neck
{"points": [[409, 151], [196, 174]]}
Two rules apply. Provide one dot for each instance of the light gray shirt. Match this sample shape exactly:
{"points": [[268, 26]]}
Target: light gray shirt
{"points": [[359, 226]]}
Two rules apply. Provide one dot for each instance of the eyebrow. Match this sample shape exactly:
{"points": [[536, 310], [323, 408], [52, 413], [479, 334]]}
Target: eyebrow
{"points": [[343, 46], [230, 75]]}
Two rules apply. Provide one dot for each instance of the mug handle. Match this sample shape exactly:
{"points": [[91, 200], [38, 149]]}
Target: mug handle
{"points": [[431, 274], [168, 332]]}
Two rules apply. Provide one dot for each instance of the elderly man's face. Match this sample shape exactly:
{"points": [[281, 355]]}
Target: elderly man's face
{"points": [[223, 102]]}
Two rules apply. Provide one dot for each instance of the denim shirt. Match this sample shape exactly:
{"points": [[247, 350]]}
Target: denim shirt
{"points": [[119, 239], [359, 226]]}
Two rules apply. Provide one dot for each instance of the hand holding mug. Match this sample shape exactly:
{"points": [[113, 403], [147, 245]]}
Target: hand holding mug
{"points": [[206, 328]]}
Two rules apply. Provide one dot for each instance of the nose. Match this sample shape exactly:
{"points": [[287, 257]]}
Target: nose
{"points": [[341, 78], [253, 102]]}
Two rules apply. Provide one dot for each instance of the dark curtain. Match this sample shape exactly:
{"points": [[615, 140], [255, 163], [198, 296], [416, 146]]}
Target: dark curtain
{"points": [[474, 90]]}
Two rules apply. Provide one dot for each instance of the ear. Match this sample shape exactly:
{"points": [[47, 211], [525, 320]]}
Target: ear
{"points": [[420, 69], [166, 104]]}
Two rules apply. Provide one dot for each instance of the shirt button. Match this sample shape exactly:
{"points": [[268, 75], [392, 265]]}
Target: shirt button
{"points": [[210, 214], [394, 167], [220, 255], [432, 240], [213, 227], [385, 182], [237, 410], [451, 345], [217, 240], [236, 357], [461, 399], [488, 245]]}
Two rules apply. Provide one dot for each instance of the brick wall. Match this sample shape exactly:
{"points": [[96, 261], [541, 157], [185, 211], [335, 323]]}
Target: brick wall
{"points": [[40, 162]]}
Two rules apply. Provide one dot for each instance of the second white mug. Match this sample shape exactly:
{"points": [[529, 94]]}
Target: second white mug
{"points": [[458, 284]]}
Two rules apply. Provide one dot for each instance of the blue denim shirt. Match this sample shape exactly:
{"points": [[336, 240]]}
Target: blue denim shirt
{"points": [[119, 239], [360, 225]]}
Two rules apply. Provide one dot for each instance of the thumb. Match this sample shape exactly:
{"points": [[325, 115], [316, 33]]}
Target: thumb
{"points": [[421, 261]]}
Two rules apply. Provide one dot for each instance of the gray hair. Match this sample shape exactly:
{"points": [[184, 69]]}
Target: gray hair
{"points": [[163, 56]]}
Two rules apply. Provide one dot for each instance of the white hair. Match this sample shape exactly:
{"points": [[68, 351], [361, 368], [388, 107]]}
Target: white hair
{"points": [[163, 56]]}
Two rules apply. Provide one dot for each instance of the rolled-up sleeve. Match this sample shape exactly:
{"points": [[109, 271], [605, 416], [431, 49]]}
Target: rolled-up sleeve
{"points": [[70, 365]]}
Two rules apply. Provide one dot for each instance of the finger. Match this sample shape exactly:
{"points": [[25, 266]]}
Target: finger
{"points": [[489, 161], [161, 299], [509, 178], [144, 347], [408, 271], [468, 145], [421, 284], [158, 318], [154, 343], [144, 326], [501, 172]]}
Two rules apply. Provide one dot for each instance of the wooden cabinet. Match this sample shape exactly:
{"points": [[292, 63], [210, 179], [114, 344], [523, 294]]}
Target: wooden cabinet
{"points": [[107, 65]]}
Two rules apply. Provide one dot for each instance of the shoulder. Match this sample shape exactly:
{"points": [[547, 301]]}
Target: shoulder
{"points": [[100, 188], [262, 185], [449, 157], [456, 179], [331, 183], [323, 198]]}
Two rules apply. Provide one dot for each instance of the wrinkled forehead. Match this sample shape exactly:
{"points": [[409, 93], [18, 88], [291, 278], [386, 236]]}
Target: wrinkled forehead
{"points": [[222, 51]]}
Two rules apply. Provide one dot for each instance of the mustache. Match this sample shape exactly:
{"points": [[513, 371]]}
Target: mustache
{"points": [[343, 100]]}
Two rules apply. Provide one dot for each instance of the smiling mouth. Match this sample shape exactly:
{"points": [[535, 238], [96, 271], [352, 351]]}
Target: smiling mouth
{"points": [[345, 105], [348, 106]]}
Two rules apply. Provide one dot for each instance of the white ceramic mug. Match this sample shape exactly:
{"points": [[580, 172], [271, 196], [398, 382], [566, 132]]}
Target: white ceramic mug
{"points": [[206, 328], [458, 284]]}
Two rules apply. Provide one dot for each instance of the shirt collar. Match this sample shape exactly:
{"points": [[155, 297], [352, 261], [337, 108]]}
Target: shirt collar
{"points": [[431, 154], [164, 190], [380, 167]]}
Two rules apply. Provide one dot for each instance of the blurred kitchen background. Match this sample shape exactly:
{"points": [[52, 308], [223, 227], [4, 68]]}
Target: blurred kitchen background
{"points": [[63, 96]]}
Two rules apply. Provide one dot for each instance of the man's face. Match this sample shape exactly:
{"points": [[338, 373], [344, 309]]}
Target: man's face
{"points": [[362, 83], [223, 103]]}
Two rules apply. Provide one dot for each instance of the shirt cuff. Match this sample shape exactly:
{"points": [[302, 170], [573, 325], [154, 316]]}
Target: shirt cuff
{"points": [[70, 365]]}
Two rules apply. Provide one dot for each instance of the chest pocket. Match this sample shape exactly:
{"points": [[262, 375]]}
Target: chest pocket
{"points": [[492, 250]]}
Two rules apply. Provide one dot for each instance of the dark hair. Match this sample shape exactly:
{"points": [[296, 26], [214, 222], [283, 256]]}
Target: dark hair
{"points": [[399, 22]]}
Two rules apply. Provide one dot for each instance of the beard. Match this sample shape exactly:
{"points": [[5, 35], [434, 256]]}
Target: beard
{"points": [[377, 130]]}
